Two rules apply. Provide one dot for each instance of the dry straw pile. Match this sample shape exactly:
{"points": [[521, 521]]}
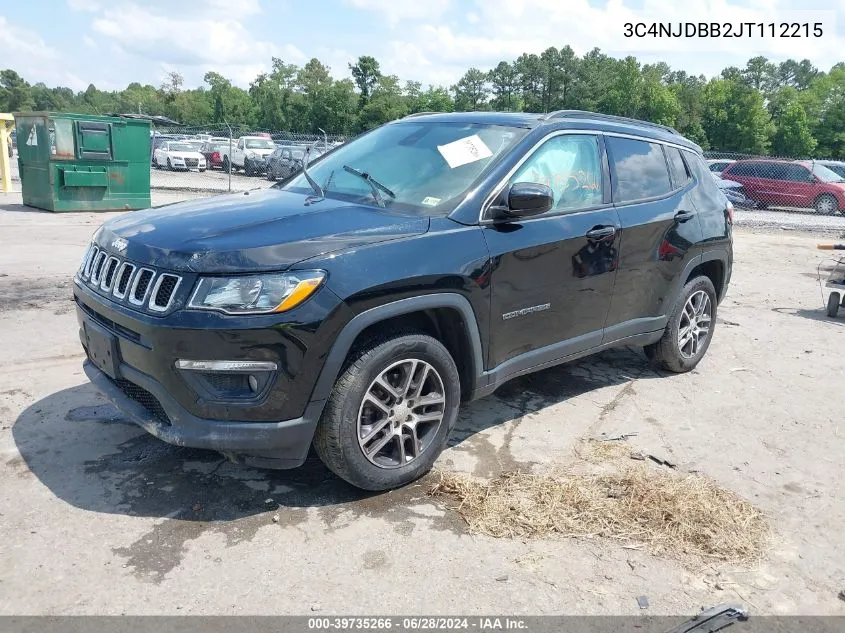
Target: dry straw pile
{"points": [[665, 512]]}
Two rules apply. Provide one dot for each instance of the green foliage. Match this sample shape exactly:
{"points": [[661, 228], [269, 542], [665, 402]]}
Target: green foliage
{"points": [[790, 108]]}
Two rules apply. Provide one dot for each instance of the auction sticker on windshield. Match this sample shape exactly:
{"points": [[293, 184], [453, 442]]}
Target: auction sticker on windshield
{"points": [[464, 151], [431, 201]]}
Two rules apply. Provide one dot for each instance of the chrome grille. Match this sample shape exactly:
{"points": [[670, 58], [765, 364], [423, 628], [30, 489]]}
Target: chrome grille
{"points": [[107, 275], [123, 276], [142, 287], [163, 292], [192, 162]]}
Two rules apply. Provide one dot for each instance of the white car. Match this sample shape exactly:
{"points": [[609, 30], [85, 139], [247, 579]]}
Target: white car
{"points": [[178, 155], [250, 154]]}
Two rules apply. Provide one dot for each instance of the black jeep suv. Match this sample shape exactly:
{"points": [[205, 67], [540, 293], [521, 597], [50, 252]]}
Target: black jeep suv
{"points": [[354, 305]]}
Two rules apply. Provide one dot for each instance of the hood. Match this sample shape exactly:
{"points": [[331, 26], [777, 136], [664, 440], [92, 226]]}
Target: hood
{"points": [[261, 230], [184, 154], [261, 152]]}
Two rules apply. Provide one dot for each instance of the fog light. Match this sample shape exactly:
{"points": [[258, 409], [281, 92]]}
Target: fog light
{"points": [[253, 383]]}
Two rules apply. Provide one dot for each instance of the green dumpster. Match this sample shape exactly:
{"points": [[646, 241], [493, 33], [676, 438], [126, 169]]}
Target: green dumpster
{"points": [[83, 162]]}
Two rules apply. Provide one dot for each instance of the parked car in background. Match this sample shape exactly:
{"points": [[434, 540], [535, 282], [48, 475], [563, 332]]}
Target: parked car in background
{"points": [[213, 152], [836, 166], [250, 154], [178, 155], [734, 192], [156, 141], [782, 183], [287, 161], [717, 165]]}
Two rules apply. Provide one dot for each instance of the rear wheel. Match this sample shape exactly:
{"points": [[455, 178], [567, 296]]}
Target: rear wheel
{"points": [[226, 164], [833, 303], [690, 329], [826, 204], [390, 412]]}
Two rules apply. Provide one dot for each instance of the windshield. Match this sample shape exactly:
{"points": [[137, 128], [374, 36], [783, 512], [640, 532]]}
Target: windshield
{"points": [[298, 153], [180, 147], [259, 143], [429, 166], [826, 175]]}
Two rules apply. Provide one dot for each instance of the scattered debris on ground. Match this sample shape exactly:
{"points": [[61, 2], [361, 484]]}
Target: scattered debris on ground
{"points": [[665, 512]]}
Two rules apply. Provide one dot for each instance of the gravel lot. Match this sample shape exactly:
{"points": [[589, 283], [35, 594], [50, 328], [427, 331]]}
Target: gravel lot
{"points": [[98, 517]]}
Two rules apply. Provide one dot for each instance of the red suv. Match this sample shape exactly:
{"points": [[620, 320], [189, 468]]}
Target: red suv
{"points": [[798, 183]]}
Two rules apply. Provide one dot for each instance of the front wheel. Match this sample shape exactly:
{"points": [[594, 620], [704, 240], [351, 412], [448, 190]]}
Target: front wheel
{"points": [[169, 165], [826, 204], [227, 166], [390, 412], [690, 329], [247, 168]]}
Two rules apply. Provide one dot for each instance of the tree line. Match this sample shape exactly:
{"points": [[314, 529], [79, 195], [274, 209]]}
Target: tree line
{"points": [[788, 109]]}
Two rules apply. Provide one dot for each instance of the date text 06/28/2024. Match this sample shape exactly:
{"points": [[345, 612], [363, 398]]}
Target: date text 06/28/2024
{"points": [[724, 29]]}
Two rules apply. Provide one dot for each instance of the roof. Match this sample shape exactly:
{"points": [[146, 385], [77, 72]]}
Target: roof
{"points": [[561, 119]]}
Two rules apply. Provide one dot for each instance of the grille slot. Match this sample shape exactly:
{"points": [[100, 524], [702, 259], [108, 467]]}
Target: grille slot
{"points": [[98, 267], [163, 292], [192, 162], [124, 275], [107, 275], [141, 286], [89, 261], [145, 399]]}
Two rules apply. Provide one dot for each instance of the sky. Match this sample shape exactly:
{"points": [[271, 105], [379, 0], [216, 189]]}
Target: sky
{"points": [[111, 43]]}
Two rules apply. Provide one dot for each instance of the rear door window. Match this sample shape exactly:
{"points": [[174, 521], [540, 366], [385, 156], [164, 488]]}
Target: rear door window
{"points": [[639, 169]]}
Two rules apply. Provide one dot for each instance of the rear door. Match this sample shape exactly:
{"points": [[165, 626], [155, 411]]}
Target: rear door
{"points": [[553, 274], [652, 188], [799, 186]]}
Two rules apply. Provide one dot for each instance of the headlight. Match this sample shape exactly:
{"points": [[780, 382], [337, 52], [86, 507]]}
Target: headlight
{"points": [[256, 294]]}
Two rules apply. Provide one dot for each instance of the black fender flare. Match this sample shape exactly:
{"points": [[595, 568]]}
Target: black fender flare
{"points": [[346, 338], [720, 255]]}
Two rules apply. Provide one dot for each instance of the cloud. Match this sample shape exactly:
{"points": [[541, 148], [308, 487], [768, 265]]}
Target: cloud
{"points": [[397, 10]]}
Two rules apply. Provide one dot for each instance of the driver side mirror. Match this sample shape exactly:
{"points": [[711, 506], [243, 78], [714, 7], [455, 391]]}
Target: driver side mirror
{"points": [[524, 199]]}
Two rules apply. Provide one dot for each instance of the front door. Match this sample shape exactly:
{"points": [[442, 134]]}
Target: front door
{"points": [[553, 274]]}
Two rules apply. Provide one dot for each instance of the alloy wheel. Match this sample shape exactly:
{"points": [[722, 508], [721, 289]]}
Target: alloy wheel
{"points": [[401, 413], [695, 323]]}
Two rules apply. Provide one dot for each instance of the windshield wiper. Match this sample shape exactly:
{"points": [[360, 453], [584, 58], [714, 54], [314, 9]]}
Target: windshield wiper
{"points": [[375, 185], [314, 184]]}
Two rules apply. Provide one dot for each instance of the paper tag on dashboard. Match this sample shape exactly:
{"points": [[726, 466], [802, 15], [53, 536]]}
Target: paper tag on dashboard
{"points": [[464, 151]]}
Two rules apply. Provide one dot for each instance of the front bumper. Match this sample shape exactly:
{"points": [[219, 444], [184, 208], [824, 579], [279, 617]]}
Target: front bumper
{"points": [[170, 403], [278, 444]]}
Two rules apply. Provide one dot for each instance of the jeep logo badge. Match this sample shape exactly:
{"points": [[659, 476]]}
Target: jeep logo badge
{"points": [[119, 244]]}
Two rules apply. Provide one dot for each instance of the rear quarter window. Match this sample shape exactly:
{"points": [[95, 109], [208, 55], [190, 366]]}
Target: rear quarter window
{"points": [[639, 169], [677, 168], [706, 195]]}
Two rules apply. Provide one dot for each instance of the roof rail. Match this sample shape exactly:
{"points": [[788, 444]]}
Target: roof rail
{"points": [[408, 116], [579, 114]]}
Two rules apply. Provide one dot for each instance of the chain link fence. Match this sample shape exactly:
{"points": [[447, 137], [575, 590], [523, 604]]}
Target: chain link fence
{"points": [[780, 183], [223, 158]]}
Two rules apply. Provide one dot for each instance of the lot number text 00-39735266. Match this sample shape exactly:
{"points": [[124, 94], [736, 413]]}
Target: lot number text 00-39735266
{"points": [[723, 29]]}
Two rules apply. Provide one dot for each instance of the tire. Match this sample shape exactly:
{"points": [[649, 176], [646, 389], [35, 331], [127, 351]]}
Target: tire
{"points": [[667, 353], [169, 165], [826, 204], [388, 357], [270, 176], [155, 163], [833, 302], [226, 164], [202, 170], [247, 168]]}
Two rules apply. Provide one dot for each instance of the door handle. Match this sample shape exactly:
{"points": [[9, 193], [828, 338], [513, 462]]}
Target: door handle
{"points": [[601, 232], [683, 216]]}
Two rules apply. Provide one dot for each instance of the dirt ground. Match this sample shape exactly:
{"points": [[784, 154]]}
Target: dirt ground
{"points": [[96, 517]]}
